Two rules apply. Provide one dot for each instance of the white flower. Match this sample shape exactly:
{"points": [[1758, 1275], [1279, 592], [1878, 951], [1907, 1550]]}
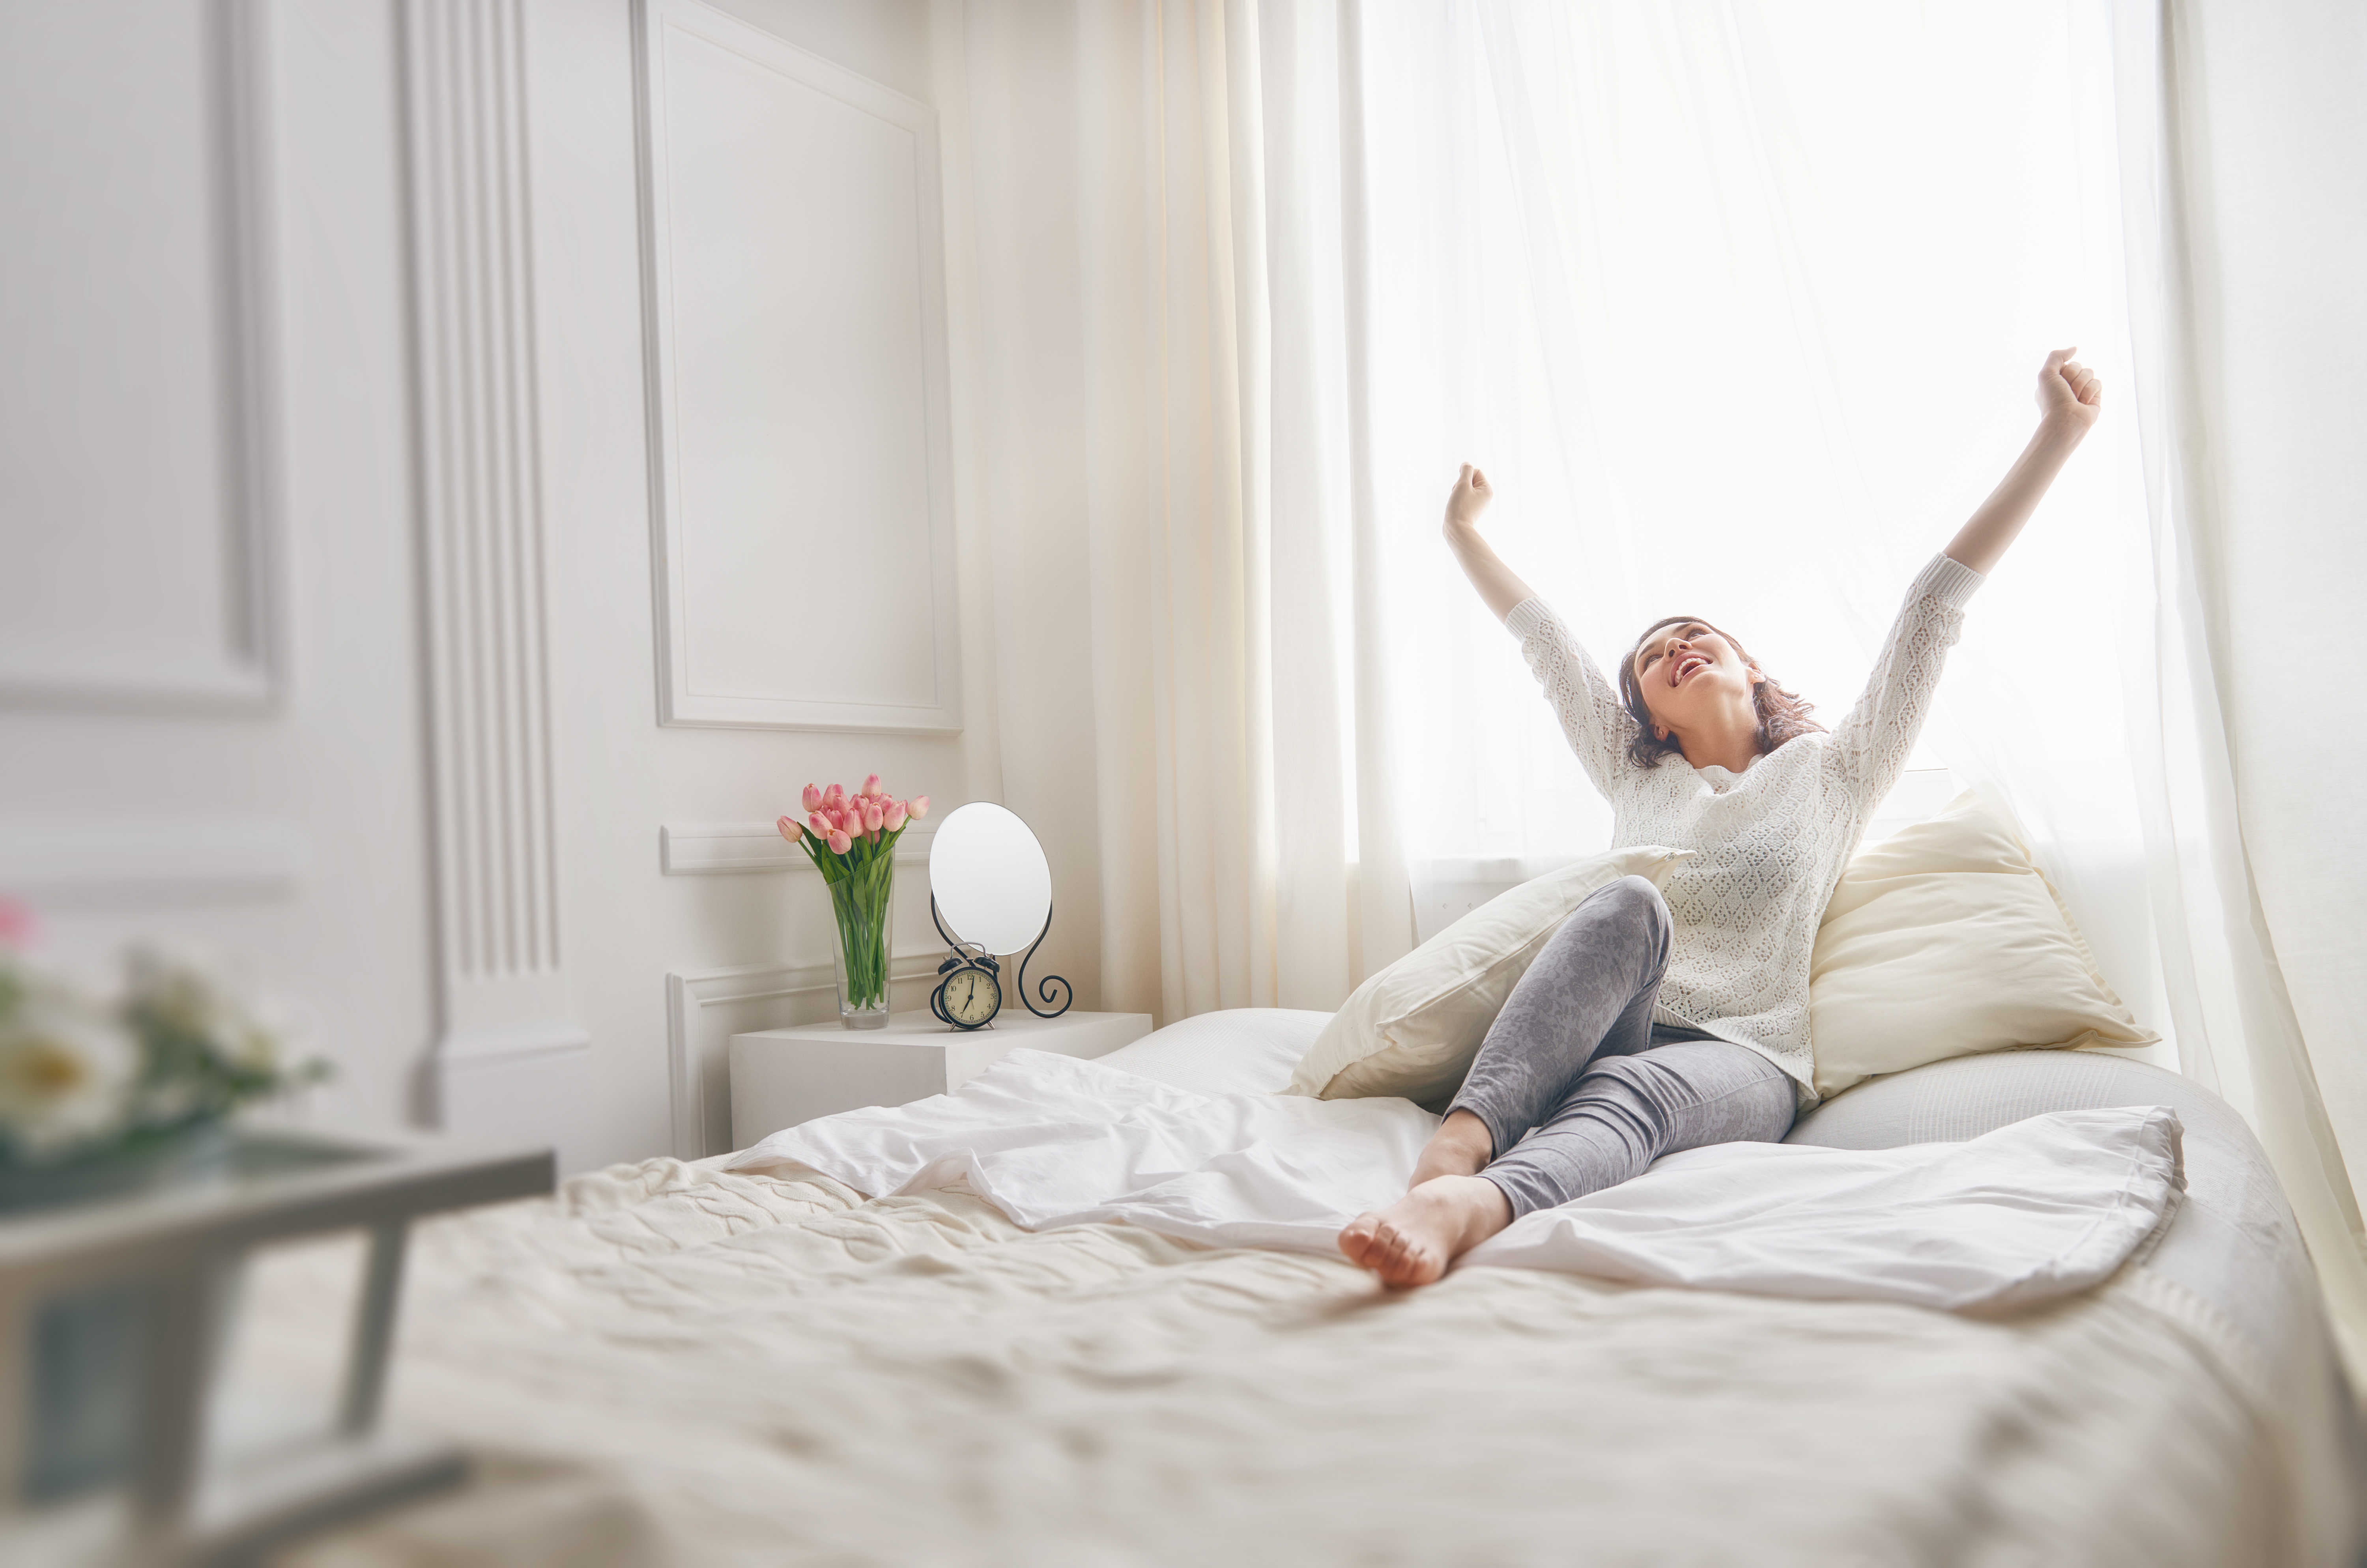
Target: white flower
{"points": [[182, 993], [64, 1069]]}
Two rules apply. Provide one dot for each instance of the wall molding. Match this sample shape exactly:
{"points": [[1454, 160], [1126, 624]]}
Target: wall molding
{"points": [[726, 849], [705, 1008], [103, 863], [782, 698], [502, 984], [247, 672]]}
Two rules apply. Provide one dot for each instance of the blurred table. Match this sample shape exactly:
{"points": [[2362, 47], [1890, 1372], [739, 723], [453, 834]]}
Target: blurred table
{"points": [[176, 1250]]}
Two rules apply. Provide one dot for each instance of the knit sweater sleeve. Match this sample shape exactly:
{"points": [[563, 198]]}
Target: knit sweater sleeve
{"points": [[1870, 747], [1596, 723]]}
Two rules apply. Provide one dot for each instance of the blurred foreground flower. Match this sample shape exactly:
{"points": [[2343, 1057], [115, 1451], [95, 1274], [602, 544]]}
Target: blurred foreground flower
{"points": [[65, 1066], [83, 1077]]}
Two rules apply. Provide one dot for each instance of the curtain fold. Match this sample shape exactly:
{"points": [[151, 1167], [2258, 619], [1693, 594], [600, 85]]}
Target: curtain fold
{"points": [[1247, 847]]}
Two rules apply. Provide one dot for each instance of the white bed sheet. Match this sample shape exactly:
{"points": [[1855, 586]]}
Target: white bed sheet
{"points": [[672, 1363], [2038, 1208]]}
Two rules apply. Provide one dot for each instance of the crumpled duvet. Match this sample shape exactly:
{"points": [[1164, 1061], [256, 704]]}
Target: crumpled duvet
{"points": [[2036, 1210]]}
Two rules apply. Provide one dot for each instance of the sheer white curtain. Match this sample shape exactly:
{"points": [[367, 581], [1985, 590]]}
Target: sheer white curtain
{"points": [[2237, 1025], [1190, 260], [1742, 305]]}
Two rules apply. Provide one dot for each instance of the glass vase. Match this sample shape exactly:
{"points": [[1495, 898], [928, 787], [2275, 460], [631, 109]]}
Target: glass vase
{"points": [[862, 906]]}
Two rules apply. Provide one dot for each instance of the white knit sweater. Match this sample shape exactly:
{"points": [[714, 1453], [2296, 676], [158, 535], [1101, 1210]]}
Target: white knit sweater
{"points": [[1770, 841]]}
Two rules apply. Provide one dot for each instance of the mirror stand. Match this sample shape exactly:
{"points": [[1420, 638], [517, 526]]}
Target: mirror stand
{"points": [[988, 876], [1067, 993]]}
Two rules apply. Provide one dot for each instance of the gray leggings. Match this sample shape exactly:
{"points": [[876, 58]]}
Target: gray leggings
{"points": [[1576, 1056]]}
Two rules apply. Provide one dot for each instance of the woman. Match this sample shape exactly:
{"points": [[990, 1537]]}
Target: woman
{"points": [[1648, 1024]]}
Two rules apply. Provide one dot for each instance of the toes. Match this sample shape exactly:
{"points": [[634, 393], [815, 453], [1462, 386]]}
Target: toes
{"points": [[1393, 1251], [1357, 1240], [1413, 1264]]}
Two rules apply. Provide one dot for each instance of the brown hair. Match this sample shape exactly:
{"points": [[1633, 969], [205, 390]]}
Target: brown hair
{"points": [[1783, 713]]}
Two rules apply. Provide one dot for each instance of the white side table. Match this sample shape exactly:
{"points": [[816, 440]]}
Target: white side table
{"points": [[783, 1077]]}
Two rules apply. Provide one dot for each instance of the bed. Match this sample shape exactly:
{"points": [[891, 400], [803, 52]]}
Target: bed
{"points": [[673, 1363]]}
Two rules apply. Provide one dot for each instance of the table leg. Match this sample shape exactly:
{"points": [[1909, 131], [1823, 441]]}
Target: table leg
{"points": [[373, 1330], [183, 1335], [15, 1395]]}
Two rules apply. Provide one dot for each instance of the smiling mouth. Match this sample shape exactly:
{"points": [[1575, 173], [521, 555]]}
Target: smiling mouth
{"points": [[1686, 666]]}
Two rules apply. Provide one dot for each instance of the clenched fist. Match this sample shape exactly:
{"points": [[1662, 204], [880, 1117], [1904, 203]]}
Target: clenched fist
{"points": [[1468, 500], [2069, 392]]}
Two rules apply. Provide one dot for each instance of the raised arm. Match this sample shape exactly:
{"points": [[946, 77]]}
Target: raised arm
{"points": [[2070, 399], [1592, 720], [1871, 744], [1496, 582]]}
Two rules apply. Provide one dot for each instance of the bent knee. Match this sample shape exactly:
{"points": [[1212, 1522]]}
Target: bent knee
{"points": [[1634, 900]]}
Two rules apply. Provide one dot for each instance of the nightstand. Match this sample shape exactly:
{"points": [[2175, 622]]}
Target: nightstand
{"points": [[783, 1077]]}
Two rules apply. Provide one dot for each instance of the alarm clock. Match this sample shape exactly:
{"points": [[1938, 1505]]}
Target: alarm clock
{"points": [[969, 996], [970, 983]]}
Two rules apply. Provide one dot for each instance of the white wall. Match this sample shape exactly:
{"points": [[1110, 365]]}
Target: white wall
{"points": [[285, 829], [654, 957], [462, 444]]}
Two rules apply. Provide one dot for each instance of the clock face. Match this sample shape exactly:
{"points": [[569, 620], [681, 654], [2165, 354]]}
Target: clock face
{"points": [[972, 996]]}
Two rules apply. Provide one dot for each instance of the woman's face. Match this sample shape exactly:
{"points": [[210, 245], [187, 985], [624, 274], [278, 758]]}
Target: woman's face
{"points": [[1688, 672]]}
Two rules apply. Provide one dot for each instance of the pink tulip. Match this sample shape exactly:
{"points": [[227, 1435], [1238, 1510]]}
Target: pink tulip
{"points": [[919, 808], [812, 798], [839, 842], [873, 816], [789, 828], [833, 797], [16, 924], [871, 787], [893, 817], [820, 823]]}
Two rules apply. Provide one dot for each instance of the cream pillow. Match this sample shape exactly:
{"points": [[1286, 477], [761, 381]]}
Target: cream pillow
{"points": [[1943, 940], [1413, 1028]]}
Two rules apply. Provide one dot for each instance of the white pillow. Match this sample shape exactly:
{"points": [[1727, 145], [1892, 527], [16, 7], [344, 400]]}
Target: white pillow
{"points": [[1943, 941], [1413, 1028], [1234, 1050]]}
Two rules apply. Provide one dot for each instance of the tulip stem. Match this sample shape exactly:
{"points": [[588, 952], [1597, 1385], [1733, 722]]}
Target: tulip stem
{"points": [[861, 882]]}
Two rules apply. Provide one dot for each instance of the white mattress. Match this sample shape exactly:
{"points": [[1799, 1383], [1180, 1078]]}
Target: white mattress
{"points": [[670, 1363]]}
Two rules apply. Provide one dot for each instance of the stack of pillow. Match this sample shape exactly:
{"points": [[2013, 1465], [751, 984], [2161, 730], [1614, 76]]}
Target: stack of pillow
{"points": [[1943, 940]]}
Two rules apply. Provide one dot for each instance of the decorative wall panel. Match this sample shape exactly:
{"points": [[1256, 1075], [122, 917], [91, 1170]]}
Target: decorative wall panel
{"points": [[137, 453], [502, 985], [706, 1008], [800, 438]]}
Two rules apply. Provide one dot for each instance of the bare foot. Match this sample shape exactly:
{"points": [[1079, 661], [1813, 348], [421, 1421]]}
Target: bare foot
{"points": [[1461, 1147], [1411, 1242]]}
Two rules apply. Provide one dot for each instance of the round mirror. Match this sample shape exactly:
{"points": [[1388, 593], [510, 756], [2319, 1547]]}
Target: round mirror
{"points": [[992, 882]]}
